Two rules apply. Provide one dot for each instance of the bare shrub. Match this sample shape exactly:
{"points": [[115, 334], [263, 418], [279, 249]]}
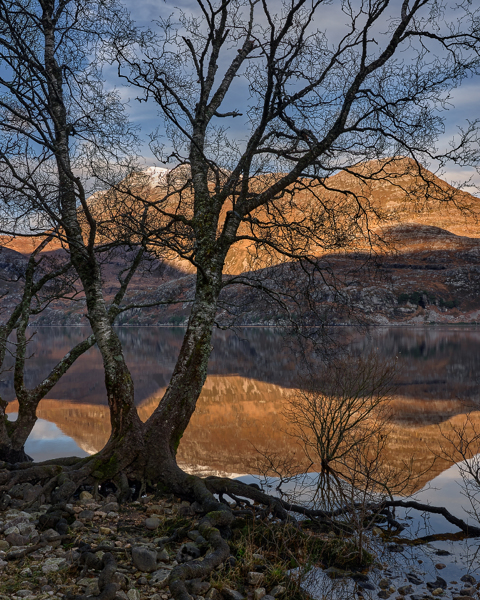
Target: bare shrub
{"points": [[340, 419]]}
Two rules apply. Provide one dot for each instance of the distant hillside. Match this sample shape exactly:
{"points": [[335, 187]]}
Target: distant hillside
{"points": [[421, 263]]}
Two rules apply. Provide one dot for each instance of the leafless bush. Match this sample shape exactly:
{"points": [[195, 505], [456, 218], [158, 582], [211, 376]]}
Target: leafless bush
{"points": [[339, 418]]}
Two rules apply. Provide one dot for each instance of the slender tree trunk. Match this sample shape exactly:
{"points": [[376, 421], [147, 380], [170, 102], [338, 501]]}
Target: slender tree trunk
{"points": [[13, 435], [165, 427], [126, 425], [12, 449]]}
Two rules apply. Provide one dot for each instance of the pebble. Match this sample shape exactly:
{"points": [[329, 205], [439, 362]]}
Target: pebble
{"points": [[50, 535], [152, 523], [52, 565], [468, 579], [467, 591], [187, 552], [163, 555], [86, 515], [26, 528], [144, 559], [16, 539], [86, 496], [405, 589], [105, 530], [11, 529], [259, 593], [255, 578], [440, 566], [277, 590], [438, 583], [366, 585], [133, 594], [229, 594], [91, 586], [160, 578]]}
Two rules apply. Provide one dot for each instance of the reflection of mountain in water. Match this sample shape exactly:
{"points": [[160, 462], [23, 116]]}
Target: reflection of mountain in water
{"points": [[433, 363], [250, 379], [235, 416]]}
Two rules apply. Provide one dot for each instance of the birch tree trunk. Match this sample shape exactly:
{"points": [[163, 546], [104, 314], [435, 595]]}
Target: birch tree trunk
{"points": [[126, 425]]}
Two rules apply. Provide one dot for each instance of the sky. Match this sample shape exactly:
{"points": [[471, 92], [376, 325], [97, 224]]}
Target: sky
{"points": [[465, 101]]}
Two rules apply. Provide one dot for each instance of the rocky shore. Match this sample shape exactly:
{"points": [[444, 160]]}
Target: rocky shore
{"points": [[96, 549], [82, 548]]}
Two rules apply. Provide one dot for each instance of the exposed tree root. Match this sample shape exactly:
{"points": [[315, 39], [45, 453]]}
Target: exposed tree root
{"points": [[468, 530], [22, 552], [236, 489], [57, 480], [14, 456], [208, 528], [427, 539], [108, 565]]}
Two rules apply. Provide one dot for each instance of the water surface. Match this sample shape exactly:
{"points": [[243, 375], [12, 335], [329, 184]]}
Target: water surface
{"points": [[251, 374]]}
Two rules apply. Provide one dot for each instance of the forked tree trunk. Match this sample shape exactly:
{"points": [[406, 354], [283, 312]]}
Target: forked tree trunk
{"points": [[13, 435], [146, 451]]}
